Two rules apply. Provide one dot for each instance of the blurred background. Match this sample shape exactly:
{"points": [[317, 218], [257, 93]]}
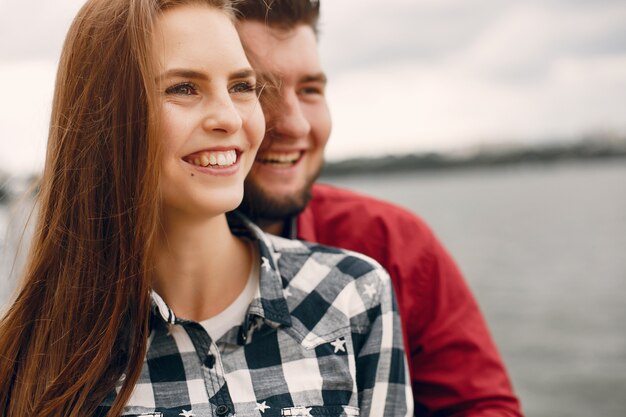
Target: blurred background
{"points": [[502, 124]]}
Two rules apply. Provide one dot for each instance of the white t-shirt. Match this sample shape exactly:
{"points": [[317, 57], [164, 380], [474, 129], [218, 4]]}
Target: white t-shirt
{"points": [[235, 313]]}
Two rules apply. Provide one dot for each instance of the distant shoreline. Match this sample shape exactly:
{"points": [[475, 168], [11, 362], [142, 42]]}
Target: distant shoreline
{"points": [[592, 149], [482, 158]]}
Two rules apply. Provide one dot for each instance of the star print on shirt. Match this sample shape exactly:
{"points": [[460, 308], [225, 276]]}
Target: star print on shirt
{"points": [[370, 290], [186, 413], [262, 406], [339, 345], [265, 263], [258, 323]]}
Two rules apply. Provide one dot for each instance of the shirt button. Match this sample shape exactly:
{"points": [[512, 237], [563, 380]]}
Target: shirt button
{"points": [[222, 410], [209, 361]]}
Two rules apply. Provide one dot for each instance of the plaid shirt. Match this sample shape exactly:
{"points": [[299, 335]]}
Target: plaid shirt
{"points": [[322, 338]]}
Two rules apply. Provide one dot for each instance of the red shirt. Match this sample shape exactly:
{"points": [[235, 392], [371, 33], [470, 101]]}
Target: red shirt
{"points": [[455, 367]]}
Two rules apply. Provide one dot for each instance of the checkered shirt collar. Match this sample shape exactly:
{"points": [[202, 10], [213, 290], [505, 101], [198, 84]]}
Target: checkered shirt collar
{"points": [[269, 304]]}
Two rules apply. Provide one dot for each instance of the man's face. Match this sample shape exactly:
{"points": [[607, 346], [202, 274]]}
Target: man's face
{"points": [[298, 122]]}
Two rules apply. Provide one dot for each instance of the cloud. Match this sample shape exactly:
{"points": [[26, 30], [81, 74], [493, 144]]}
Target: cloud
{"points": [[404, 75], [528, 39], [436, 107], [25, 107], [434, 75], [513, 39], [35, 29], [373, 33]]}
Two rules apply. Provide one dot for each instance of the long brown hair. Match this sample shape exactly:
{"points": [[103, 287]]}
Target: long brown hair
{"points": [[80, 319]]}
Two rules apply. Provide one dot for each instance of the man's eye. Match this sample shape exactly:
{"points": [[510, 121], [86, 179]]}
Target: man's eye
{"points": [[243, 87], [184, 89], [311, 90]]}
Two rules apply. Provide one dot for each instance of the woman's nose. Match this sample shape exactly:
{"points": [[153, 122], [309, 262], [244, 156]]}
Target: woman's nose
{"points": [[222, 115]]}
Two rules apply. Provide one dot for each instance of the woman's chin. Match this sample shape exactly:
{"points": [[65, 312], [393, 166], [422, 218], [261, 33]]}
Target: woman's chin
{"points": [[208, 208]]}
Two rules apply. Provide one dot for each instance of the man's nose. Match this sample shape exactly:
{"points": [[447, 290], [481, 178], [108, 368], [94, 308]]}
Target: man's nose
{"points": [[289, 120]]}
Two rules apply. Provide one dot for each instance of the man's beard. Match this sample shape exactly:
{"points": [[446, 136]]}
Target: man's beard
{"points": [[262, 208]]}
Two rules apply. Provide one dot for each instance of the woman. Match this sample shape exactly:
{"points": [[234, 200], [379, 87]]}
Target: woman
{"points": [[140, 296]]}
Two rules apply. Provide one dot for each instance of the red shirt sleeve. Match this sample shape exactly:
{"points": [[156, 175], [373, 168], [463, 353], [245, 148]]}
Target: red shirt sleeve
{"points": [[455, 367]]}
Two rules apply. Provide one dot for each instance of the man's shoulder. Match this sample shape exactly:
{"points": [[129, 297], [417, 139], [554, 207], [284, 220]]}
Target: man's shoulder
{"points": [[330, 204], [397, 238], [331, 196], [326, 193]]}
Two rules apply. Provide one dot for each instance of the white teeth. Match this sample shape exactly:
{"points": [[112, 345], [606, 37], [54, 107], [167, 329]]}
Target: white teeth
{"points": [[222, 159], [282, 157]]}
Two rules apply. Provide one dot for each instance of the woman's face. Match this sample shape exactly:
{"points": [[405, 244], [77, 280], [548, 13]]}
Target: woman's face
{"points": [[211, 120]]}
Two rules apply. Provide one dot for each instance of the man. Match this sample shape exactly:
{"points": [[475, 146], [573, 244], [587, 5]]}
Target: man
{"points": [[455, 367]]}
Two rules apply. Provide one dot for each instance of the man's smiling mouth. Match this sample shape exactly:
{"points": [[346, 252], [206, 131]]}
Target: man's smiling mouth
{"points": [[281, 159]]}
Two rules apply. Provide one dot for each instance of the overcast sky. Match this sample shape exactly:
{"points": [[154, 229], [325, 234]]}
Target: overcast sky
{"points": [[405, 75]]}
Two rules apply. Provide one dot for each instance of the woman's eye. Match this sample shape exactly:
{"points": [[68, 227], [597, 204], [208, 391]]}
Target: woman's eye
{"points": [[184, 89], [243, 87]]}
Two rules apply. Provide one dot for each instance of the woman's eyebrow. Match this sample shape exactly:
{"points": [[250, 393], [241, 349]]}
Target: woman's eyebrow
{"points": [[244, 73], [183, 73], [198, 75]]}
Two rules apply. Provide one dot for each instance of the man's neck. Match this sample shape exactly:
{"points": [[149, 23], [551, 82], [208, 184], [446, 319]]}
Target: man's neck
{"points": [[278, 228], [274, 228]]}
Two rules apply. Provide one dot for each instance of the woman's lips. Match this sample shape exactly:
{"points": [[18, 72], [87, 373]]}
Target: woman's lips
{"points": [[213, 158]]}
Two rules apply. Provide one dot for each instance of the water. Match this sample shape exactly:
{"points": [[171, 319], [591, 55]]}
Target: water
{"points": [[5, 253], [12, 236], [544, 250]]}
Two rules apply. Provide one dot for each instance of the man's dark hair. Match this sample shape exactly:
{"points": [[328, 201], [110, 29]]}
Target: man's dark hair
{"points": [[285, 14]]}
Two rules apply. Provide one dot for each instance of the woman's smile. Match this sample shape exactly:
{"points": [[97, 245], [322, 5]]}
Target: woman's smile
{"points": [[216, 161]]}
